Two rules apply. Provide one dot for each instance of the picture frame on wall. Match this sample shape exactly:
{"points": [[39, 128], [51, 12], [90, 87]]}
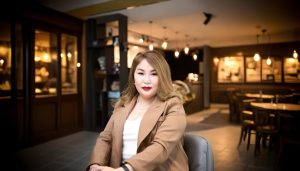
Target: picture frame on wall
{"points": [[231, 69]]}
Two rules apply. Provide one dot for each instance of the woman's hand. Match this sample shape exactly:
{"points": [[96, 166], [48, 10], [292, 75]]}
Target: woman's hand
{"points": [[106, 168], [95, 167]]}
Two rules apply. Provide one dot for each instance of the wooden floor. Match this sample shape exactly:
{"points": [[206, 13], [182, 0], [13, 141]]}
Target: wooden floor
{"points": [[71, 153]]}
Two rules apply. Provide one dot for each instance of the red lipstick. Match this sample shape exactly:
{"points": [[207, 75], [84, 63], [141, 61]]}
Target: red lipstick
{"points": [[146, 88]]}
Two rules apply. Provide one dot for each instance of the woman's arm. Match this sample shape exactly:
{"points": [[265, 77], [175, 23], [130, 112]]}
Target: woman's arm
{"points": [[168, 136], [102, 149]]}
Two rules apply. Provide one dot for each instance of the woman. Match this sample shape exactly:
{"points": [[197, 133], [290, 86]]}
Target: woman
{"points": [[145, 131]]}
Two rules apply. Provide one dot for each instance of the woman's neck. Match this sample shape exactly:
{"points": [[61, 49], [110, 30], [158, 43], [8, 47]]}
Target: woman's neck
{"points": [[143, 101]]}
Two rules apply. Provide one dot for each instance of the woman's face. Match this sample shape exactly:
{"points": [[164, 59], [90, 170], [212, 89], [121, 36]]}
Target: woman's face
{"points": [[146, 80]]}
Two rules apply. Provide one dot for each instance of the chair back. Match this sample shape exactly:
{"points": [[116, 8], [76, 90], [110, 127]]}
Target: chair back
{"points": [[199, 152]]}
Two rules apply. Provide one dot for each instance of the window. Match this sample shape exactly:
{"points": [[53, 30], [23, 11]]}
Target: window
{"points": [[69, 62], [271, 70], [253, 70], [231, 70], [5, 59], [291, 70], [45, 57]]}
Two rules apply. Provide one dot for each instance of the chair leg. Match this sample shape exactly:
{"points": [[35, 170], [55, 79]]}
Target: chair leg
{"points": [[249, 137], [257, 143], [241, 136]]}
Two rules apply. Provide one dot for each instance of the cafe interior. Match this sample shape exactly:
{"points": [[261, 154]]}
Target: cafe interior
{"points": [[236, 64]]}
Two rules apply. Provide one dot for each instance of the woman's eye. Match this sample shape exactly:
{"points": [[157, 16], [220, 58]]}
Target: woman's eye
{"points": [[154, 73], [140, 73]]}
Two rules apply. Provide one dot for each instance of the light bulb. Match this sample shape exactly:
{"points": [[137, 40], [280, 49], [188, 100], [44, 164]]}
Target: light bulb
{"points": [[151, 47], [176, 54], [186, 50], [141, 40], [195, 57], [256, 57], [295, 54], [164, 45], [269, 61]]}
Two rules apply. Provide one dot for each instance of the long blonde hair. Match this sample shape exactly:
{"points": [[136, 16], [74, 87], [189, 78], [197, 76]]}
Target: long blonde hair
{"points": [[160, 65]]}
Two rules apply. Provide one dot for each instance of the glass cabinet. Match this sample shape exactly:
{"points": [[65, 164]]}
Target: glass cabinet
{"points": [[46, 63], [45, 58], [5, 60], [69, 64]]}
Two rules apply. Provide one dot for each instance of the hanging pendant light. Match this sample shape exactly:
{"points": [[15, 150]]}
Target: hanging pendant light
{"points": [[269, 61], [151, 46], [176, 53], [195, 57], [186, 49], [256, 56], [164, 45], [295, 54]]}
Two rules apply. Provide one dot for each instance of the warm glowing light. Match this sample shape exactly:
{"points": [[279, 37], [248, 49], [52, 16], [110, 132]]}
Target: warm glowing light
{"points": [[164, 45], [269, 61], [141, 40], [195, 57], [216, 60], [1, 62], [295, 54], [37, 58], [256, 57], [291, 60], [78, 65], [62, 55], [69, 55], [176, 54], [186, 49], [151, 47]]}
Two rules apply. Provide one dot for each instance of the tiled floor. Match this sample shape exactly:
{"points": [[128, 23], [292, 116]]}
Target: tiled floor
{"points": [[71, 153]]}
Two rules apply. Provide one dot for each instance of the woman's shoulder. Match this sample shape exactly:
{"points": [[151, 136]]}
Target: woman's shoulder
{"points": [[174, 99]]}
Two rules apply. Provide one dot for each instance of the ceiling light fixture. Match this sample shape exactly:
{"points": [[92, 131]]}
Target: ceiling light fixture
{"points": [[269, 61], [176, 53], [151, 47], [142, 39], [164, 45], [186, 49], [256, 55], [295, 54], [208, 17]]}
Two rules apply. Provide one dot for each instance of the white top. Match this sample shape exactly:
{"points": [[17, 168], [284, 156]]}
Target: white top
{"points": [[130, 136]]}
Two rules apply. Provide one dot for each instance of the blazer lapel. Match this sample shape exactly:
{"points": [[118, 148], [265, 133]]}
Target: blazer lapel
{"points": [[150, 119], [121, 114]]}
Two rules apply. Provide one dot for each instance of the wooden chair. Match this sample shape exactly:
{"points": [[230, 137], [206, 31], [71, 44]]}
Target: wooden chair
{"points": [[266, 127], [289, 132], [247, 122]]}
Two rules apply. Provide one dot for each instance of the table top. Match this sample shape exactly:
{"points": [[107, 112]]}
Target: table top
{"points": [[257, 95], [277, 106]]}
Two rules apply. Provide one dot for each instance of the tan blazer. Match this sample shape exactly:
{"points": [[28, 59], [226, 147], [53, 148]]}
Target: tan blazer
{"points": [[160, 138]]}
